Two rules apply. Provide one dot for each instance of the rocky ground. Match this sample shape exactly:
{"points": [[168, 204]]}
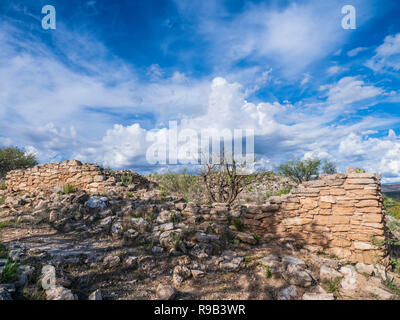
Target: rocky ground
{"points": [[140, 245]]}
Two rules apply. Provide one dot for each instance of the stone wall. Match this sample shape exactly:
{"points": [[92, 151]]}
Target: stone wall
{"points": [[340, 215], [85, 176]]}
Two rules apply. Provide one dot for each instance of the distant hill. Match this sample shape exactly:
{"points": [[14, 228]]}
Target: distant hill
{"points": [[391, 188]]}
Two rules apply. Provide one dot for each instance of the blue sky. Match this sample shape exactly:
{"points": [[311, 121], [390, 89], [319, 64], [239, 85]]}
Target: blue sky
{"points": [[114, 73]]}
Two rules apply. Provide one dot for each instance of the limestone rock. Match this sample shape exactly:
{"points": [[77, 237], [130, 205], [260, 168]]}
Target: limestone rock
{"points": [[96, 295], [180, 274], [365, 268], [165, 292], [318, 296], [296, 275], [288, 293], [247, 238], [111, 261], [329, 274], [96, 202], [59, 293], [380, 293], [349, 282]]}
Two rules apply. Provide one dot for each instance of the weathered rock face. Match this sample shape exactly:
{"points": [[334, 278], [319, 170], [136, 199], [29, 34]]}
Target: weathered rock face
{"points": [[85, 176]]}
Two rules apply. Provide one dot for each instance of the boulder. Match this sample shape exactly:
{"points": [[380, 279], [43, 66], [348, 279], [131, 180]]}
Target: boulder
{"points": [[165, 292], [96, 202], [327, 274], [247, 238], [288, 293], [349, 282], [59, 293], [180, 274], [296, 275], [367, 269]]}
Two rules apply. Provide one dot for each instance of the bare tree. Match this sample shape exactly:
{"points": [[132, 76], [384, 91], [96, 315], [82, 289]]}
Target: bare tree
{"points": [[226, 176]]}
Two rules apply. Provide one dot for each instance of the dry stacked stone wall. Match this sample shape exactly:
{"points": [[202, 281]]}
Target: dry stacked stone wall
{"points": [[84, 176], [340, 214]]}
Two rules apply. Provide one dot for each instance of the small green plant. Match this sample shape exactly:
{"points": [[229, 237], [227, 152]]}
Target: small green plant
{"points": [[130, 195], [3, 186], [268, 272], [9, 273], [238, 224], [3, 251], [177, 240], [283, 191], [391, 286], [174, 218], [247, 259], [69, 188], [378, 242], [127, 179], [2, 200], [257, 238], [395, 262], [388, 202], [333, 285], [359, 170], [394, 225], [6, 224]]}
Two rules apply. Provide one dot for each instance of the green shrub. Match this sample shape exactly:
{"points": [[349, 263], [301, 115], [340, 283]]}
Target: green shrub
{"points": [[174, 218], [283, 191], [388, 202], [69, 188], [247, 259], [188, 186], [300, 170], [395, 262], [3, 251], [127, 178], [3, 186], [13, 158], [333, 286], [238, 224], [257, 237], [2, 200], [394, 210], [306, 170], [328, 167], [268, 272], [5, 224], [9, 273]]}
